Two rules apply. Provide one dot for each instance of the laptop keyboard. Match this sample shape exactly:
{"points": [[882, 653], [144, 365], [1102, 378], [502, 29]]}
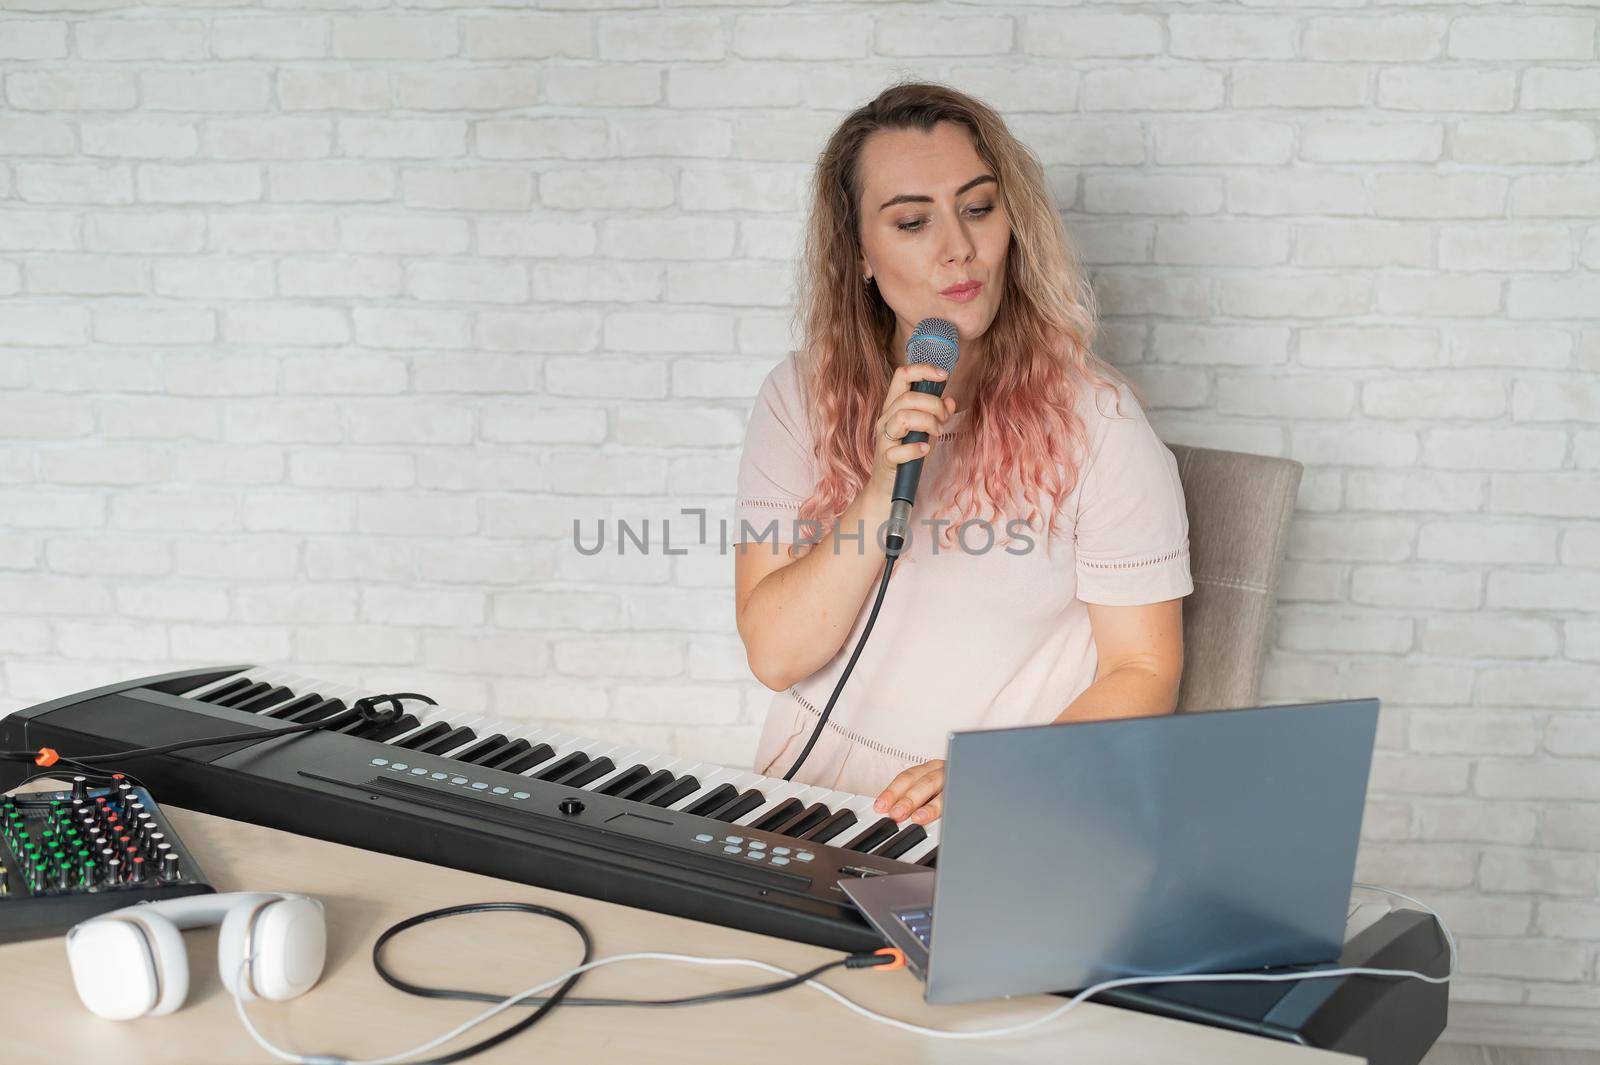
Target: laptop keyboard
{"points": [[919, 922]]}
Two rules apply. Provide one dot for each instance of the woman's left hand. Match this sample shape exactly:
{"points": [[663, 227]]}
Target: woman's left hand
{"points": [[917, 793]]}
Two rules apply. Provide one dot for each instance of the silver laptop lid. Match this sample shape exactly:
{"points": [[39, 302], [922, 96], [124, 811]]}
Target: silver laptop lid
{"points": [[1049, 877]]}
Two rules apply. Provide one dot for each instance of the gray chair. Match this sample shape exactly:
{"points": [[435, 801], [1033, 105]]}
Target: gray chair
{"points": [[1239, 508]]}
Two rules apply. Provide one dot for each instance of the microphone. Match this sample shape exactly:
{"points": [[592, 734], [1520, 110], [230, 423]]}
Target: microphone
{"points": [[933, 340]]}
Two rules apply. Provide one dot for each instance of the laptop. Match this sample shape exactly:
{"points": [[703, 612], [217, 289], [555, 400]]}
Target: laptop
{"points": [[1182, 843]]}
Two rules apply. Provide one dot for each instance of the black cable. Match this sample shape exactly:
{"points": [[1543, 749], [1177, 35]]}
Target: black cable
{"points": [[888, 565], [363, 708], [852, 961]]}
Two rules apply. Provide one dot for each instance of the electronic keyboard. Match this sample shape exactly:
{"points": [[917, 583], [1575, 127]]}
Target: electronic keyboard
{"points": [[508, 799]]}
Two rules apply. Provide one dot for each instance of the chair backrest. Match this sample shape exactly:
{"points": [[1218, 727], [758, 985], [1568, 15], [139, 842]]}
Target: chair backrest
{"points": [[1239, 508]]}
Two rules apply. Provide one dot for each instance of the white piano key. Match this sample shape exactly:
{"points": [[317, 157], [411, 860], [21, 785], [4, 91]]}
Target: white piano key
{"points": [[205, 689]]}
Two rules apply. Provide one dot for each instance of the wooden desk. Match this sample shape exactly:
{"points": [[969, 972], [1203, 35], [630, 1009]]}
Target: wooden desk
{"points": [[354, 1013]]}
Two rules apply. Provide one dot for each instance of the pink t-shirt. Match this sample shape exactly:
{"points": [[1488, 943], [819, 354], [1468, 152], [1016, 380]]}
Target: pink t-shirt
{"points": [[966, 638]]}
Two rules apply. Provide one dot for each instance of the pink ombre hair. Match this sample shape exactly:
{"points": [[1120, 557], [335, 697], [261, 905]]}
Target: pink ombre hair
{"points": [[1023, 436]]}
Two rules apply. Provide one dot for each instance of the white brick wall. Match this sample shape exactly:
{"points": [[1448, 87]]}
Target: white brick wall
{"points": [[319, 328]]}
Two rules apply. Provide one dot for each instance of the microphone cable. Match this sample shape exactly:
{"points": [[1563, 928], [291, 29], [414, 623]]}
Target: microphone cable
{"points": [[888, 565]]}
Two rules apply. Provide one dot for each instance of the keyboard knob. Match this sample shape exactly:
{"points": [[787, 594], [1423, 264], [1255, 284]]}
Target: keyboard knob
{"points": [[570, 807]]}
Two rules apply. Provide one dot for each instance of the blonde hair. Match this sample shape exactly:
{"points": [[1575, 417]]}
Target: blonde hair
{"points": [[1024, 435]]}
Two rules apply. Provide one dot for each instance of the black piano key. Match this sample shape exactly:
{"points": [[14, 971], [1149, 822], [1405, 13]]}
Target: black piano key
{"points": [[831, 826], [681, 788], [647, 787], [355, 726], [624, 780], [246, 693], [294, 706], [257, 703], [400, 726], [561, 766], [480, 750], [233, 687], [717, 796], [498, 759], [448, 742], [740, 806], [318, 711], [881, 832], [778, 815], [589, 773], [930, 860], [805, 821], [427, 735], [539, 752], [903, 841]]}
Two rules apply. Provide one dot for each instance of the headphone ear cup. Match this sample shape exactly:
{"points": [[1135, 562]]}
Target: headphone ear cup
{"points": [[288, 940], [125, 966]]}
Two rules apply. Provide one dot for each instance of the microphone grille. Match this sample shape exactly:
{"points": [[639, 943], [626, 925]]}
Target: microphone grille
{"points": [[934, 340]]}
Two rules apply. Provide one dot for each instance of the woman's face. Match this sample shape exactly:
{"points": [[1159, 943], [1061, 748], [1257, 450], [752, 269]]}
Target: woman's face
{"points": [[931, 218]]}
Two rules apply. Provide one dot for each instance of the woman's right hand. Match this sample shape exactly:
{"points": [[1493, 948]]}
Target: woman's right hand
{"points": [[905, 410]]}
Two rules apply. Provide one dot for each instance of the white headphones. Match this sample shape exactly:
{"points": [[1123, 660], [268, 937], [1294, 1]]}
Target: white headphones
{"points": [[131, 962]]}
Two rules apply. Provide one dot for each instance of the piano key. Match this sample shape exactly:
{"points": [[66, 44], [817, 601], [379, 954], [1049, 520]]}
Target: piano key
{"points": [[254, 704], [379, 733], [675, 791], [624, 780], [561, 766], [714, 778], [483, 749], [596, 769], [294, 706], [903, 841], [775, 793], [648, 786], [831, 826], [318, 711], [506, 754], [929, 860], [743, 804], [538, 753], [424, 735], [250, 692], [915, 855], [805, 821], [720, 795], [227, 686], [877, 834], [456, 737], [781, 811]]}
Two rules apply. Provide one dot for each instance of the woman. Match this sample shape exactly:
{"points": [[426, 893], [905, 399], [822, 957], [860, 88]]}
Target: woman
{"points": [[1073, 611]]}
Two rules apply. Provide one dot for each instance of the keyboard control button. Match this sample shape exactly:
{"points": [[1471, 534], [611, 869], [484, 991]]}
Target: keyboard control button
{"points": [[398, 767], [730, 850], [757, 845], [478, 785], [438, 776], [734, 839], [380, 761], [458, 780], [755, 856], [704, 837], [780, 850], [804, 856], [780, 861], [418, 771], [519, 795]]}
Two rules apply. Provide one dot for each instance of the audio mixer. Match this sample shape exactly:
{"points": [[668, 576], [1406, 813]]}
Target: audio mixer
{"points": [[68, 855]]}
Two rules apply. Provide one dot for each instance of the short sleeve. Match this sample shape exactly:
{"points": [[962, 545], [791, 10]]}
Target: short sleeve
{"points": [[775, 467], [1132, 532]]}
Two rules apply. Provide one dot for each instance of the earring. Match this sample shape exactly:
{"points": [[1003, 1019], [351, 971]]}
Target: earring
{"points": [[867, 280]]}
